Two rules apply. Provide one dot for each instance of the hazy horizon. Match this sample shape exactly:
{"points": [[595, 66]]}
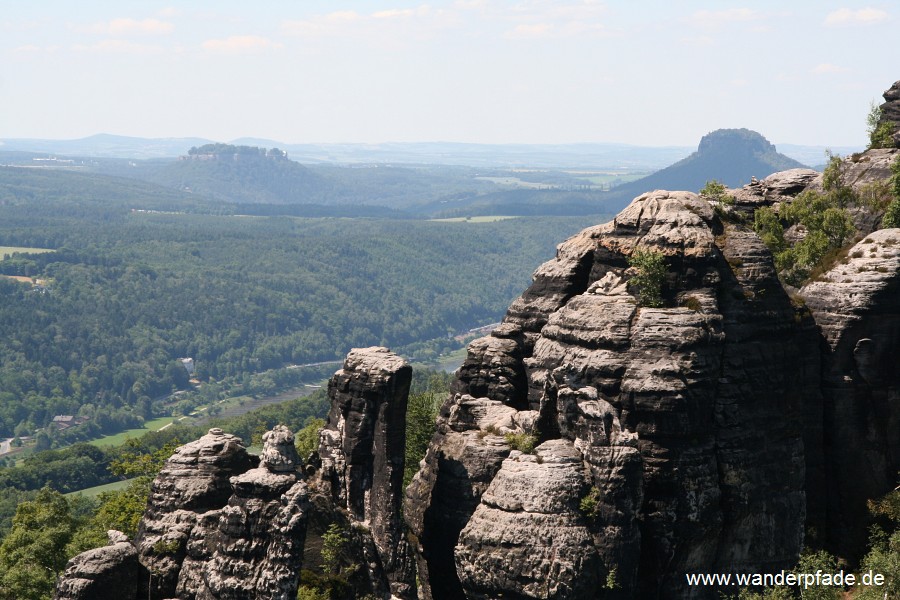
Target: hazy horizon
{"points": [[467, 71]]}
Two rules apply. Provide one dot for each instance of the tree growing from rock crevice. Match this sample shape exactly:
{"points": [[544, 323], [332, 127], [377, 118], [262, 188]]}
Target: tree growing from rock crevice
{"points": [[649, 276]]}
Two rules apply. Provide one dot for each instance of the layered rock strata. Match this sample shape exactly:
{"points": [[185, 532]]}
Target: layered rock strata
{"points": [[680, 426], [193, 482], [362, 452], [857, 306], [107, 573], [218, 525]]}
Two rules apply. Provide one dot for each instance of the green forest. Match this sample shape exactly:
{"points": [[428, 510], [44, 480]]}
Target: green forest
{"points": [[126, 293]]}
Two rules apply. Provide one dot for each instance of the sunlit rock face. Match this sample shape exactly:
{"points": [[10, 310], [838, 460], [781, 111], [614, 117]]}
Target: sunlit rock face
{"points": [[672, 436]]}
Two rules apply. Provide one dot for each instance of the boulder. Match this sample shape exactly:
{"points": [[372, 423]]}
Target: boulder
{"points": [[107, 573]]}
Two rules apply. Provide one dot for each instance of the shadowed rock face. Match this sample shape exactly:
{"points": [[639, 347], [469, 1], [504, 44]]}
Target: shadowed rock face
{"points": [[857, 306], [107, 573], [890, 110], [673, 435], [362, 453]]}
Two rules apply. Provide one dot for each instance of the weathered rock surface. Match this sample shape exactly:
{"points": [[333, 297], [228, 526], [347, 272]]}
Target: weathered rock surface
{"points": [[527, 535], [362, 453], [195, 480], [256, 548], [685, 419], [107, 573], [217, 527], [775, 188], [857, 306], [890, 110]]}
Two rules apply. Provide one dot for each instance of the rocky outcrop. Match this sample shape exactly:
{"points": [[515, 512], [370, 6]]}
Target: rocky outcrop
{"points": [[685, 421], [107, 573], [776, 188], [362, 453], [527, 536], [220, 524], [890, 111], [857, 306], [194, 481], [256, 546]]}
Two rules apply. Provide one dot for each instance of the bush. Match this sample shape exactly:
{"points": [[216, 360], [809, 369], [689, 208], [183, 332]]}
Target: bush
{"points": [[880, 133], [590, 504], [523, 442], [650, 276]]}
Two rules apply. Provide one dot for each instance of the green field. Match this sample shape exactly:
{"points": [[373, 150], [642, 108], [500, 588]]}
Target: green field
{"points": [[9, 250], [97, 490], [120, 438], [481, 219]]}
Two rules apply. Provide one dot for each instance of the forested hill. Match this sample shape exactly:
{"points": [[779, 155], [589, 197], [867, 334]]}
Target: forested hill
{"points": [[240, 174], [125, 293]]}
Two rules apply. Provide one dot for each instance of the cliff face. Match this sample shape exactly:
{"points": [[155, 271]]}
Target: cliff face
{"points": [[672, 437], [857, 306], [717, 433], [362, 459]]}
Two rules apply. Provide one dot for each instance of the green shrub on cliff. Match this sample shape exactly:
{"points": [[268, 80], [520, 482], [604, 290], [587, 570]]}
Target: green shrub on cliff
{"points": [[650, 267]]}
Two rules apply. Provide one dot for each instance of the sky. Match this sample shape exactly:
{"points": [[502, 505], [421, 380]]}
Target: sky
{"points": [[643, 72]]}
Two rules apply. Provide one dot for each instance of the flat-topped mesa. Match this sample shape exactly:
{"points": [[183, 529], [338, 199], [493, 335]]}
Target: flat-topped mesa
{"points": [[362, 452], [685, 418]]}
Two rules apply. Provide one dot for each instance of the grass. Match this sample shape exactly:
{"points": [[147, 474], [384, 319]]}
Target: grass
{"points": [[481, 219], [97, 490], [120, 438], [9, 250]]}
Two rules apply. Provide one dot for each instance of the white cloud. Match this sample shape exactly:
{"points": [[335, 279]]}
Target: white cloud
{"points": [[169, 12], [828, 68], [127, 27], [530, 31], [862, 16], [119, 47], [333, 23], [699, 41], [714, 19], [541, 18], [393, 13], [27, 49], [240, 44]]}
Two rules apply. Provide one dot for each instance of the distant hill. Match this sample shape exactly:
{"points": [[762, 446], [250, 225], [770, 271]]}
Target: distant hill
{"points": [[730, 156], [238, 174], [105, 145], [545, 156]]}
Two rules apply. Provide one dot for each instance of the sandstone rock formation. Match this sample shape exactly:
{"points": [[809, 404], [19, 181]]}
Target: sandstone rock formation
{"points": [[890, 111], [222, 524], [857, 306], [107, 573], [194, 481], [362, 453], [776, 188], [680, 426], [216, 527]]}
